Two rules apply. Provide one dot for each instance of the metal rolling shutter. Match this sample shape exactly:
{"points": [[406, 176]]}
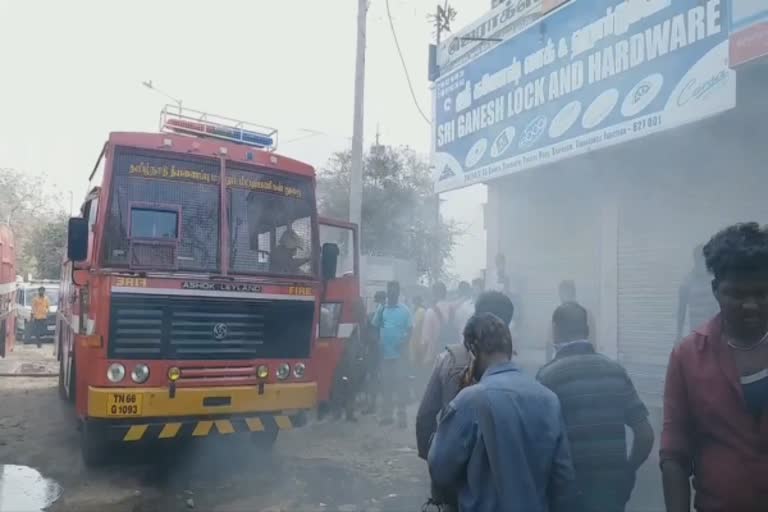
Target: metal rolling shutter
{"points": [[550, 231], [668, 207]]}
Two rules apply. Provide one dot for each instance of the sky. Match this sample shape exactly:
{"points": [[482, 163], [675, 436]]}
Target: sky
{"points": [[72, 72]]}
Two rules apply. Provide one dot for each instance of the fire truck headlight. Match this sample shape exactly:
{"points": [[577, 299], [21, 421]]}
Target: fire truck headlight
{"points": [[140, 373], [299, 369], [174, 374], [283, 371], [262, 372], [116, 372]]}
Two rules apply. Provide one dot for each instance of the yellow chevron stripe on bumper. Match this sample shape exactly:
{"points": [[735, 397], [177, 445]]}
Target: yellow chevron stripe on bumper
{"points": [[169, 431], [201, 428], [135, 432]]}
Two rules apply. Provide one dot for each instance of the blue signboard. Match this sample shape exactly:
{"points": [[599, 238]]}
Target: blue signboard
{"points": [[590, 75]]}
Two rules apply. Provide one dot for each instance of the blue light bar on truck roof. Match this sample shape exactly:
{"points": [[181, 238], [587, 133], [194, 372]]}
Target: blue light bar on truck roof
{"points": [[201, 124]]}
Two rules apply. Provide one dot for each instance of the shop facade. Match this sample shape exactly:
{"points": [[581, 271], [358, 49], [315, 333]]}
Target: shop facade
{"points": [[621, 218]]}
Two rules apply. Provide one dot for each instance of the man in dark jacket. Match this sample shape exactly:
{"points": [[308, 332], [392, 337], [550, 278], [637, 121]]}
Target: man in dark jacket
{"points": [[449, 376], [501, 444], [449, 370]]}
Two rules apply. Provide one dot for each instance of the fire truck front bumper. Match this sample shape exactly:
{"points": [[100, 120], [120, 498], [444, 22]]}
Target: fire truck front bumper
{"points": [[138, 414]]}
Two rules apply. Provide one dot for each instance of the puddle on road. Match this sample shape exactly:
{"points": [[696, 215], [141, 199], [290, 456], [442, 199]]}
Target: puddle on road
{"points": [[23, 489]]}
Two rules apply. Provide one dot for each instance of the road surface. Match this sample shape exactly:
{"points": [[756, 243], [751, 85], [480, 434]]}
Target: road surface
{"points": [[326, 466]]}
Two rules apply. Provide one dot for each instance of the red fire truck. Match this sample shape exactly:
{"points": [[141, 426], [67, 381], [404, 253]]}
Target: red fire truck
{"points": [[201, 294], [7, 291]]}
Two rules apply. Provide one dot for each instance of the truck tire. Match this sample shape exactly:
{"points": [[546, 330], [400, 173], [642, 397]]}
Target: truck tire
{"points": [[94, 447]]}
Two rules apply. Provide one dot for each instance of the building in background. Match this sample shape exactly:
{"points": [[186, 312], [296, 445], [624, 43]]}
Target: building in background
{"points": [[612, 143]]}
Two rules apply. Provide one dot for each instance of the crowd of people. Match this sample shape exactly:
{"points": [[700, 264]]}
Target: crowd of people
{"points": [[496, 438]]}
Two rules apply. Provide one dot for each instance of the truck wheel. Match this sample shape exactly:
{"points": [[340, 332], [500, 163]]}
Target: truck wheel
{"points": [[94, 447], [27, 333]]}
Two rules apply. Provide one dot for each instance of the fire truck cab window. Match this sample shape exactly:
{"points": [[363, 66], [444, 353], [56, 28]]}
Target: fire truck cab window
{"points": [[147, 223], [270, 224]]}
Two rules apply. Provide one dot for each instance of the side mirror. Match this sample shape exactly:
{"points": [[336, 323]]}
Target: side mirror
{"points": [[77, 239], [328, 261]]}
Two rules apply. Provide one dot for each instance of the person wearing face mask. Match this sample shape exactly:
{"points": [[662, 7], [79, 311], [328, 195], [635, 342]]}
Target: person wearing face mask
{"points": [[501, 444], [716, 394]]}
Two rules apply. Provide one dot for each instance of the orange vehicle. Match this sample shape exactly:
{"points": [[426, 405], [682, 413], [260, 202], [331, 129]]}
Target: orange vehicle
{"points": [[7, 290], [201, 294]]}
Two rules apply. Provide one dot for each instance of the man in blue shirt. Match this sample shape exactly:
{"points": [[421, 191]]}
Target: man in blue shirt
{"points": [[502, 443], [394, 324]]}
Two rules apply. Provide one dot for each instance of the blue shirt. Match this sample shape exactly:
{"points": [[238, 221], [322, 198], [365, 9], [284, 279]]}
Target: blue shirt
{"points": [[394, 323], [503, 446]]}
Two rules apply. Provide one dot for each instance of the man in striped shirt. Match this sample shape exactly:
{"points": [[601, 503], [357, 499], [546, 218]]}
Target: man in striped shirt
{"points": [[598, 400]]}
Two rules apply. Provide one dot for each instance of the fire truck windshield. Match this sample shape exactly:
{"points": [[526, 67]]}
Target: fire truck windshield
{"points": [[270, 223], [163, 212]]}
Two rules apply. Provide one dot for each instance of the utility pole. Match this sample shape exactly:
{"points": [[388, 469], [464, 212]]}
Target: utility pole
{"points": [[356, 180], [442, 20]]}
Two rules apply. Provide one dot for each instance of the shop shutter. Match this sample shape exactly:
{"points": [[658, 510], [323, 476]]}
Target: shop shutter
{"points": [[667, 208], [550, 231]]}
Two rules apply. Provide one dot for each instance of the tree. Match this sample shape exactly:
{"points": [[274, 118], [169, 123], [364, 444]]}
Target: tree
{"points": [[399, 207], [28, 209], [46, 246]]}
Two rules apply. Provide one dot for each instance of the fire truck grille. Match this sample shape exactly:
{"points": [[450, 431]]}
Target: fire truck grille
{"points": [[195, 328]]}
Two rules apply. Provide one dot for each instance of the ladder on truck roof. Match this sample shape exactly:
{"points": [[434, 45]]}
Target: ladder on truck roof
{"points": [[201, 124]]}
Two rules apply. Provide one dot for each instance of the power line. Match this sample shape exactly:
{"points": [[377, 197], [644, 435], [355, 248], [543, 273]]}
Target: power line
{"points": [[405, 68], [308, 134]]}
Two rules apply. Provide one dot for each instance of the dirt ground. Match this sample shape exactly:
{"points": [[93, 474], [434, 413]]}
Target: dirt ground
{"points": [[327, 466], [323, 466]]}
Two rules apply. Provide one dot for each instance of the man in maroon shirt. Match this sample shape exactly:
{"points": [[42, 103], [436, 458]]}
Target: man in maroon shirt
{"points": [[716, 395]]}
